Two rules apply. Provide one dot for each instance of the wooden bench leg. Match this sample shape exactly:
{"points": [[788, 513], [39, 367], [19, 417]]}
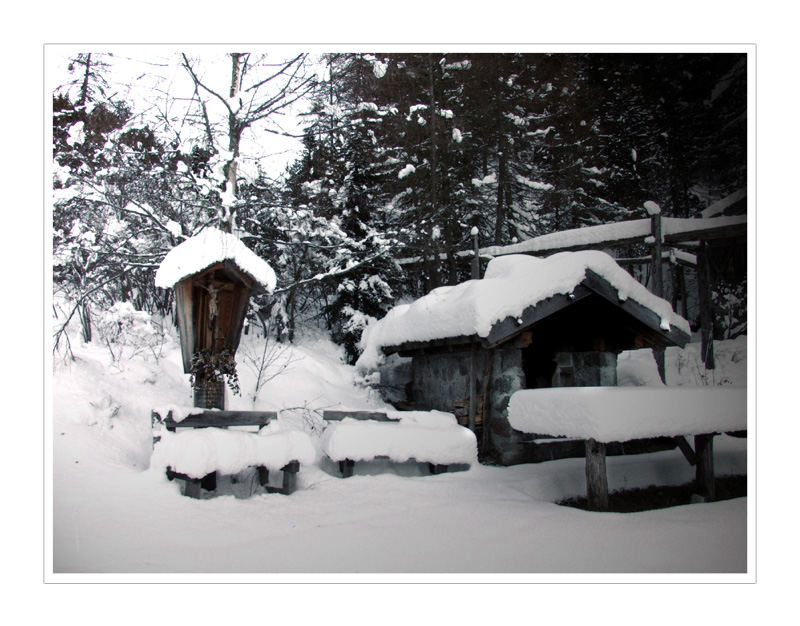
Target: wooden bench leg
{"points": [[290, 477], [437, 468], [209, 481], [596, 478], [263, 475], [704, 473], [346, 467]]}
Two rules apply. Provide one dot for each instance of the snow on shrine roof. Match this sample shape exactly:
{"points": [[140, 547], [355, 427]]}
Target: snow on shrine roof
{"points": [[622, 413], [204, 250], [511, 284]]}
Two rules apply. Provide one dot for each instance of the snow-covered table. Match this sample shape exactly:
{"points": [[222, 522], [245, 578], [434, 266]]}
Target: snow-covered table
{"points": [[600, 415], [429, 437]]}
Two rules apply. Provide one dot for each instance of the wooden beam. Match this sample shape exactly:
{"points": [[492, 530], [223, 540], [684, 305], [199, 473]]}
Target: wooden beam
{"points": [[461, 342], [337, 416], [217, 419], [686, 449]]}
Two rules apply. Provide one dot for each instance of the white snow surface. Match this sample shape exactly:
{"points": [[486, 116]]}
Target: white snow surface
{"points": [[199, 451], [108, 513], [623, 413], [652, 208], [511, 284], [591, 235], [424, 436], [204, 250]]}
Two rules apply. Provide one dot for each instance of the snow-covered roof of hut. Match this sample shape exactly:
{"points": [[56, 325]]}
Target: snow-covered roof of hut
{"points": [[207, 248], [511, 285]]}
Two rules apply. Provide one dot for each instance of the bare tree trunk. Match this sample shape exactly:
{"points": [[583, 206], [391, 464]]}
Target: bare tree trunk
{"points": [[234, 137]]}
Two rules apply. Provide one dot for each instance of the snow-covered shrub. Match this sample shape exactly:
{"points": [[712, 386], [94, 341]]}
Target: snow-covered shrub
{"points": [[127, 332]]}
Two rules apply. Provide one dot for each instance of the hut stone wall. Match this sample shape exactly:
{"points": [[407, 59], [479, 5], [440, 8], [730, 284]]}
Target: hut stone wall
{"points": [[440, 381]]}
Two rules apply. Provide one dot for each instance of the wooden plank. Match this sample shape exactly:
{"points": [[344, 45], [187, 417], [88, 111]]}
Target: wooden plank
{"points": [[240, 313], [183, 306], [408, 348], [337, 416], [217, 419], [596, 477]]}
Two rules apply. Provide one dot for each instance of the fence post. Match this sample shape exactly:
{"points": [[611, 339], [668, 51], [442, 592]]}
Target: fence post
{"points": [[655, 226]]}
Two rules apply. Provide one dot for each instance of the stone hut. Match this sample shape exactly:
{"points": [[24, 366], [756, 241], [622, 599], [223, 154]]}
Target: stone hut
{"points": [[529, 323]]}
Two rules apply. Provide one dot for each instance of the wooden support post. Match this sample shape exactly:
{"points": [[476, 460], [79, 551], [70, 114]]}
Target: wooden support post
{"points": [[437, 468], [290, 477], [346, 467], [596, 478], [476, 255], [486, 401], [191, 488], [704, 474], [704, 297], [659, 354], [473, 385]]}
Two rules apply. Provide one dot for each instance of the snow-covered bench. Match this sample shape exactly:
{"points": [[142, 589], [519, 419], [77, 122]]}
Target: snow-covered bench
{"points": [[205, 447], [430, 437], [601, 415]]}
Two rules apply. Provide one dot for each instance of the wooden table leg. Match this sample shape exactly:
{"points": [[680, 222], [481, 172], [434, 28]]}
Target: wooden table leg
{"points": [[596, 478]]}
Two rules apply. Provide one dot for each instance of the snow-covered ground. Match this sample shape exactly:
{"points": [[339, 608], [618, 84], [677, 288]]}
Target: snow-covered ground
{"points": [[112, 514]]}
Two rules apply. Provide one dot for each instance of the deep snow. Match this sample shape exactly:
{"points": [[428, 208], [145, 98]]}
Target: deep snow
{"points": [[110, 513]]}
